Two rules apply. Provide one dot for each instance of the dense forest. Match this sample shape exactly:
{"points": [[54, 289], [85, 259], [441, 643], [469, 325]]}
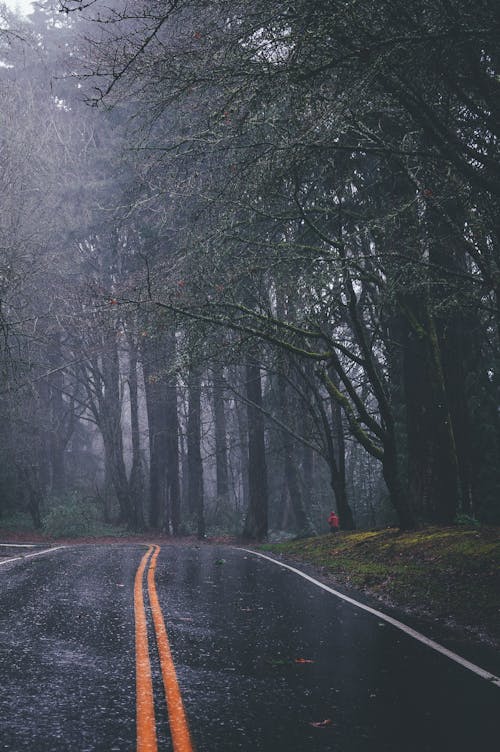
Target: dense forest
{"points": [[250, 264]]}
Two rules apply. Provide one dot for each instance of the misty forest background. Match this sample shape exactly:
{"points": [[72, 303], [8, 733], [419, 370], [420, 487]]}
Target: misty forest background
{"points": [[249, 265]]}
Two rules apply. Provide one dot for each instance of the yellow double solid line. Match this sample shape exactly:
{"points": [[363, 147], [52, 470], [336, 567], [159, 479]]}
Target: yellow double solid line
{"points": [[146, 724]]}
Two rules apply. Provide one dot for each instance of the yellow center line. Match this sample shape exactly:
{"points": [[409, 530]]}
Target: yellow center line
{"points": [[179, 729], [146, 727]]}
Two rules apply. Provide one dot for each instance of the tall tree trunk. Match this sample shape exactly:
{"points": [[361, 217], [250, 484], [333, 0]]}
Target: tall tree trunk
{"points": [[194, 461], [221, 463], [434, 468], [173, 495], [111, 427], [113, 448], [433, 474], [303, 522], [242, 423], [256, 523], [32, 485], [308, 463], [59, 424], [154, 381], [391, 470], [337, 464], [109, 492], [136, 474], [331, 426]]}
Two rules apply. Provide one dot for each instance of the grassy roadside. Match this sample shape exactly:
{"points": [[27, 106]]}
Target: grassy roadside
{"points": [[450, 574]]}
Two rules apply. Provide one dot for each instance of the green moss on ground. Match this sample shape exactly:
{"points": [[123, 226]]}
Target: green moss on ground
{"points": [[451, 574]]}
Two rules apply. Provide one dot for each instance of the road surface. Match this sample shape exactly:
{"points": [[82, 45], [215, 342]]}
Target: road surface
{"points": [[264, 661]]}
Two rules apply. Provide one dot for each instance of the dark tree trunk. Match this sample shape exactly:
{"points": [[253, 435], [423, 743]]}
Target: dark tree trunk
{"points": [[308, 475], [304, 524], [221, 463], [32, 483], [42, 434], [391, 471], [433, 477], [338, 468], [302, 520], [459, 354], [136, 474], [308, 459], [336, 461], [242, 421], [461, 360], [257, 515], [109, 492], [111, 428], [184, 468], [154, 381], [194, 461], [61, 419], [114, 459], [173, 496], [279, 513]]}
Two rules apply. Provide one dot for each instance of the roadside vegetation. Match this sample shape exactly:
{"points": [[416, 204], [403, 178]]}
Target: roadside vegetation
{"points": [[71, 516], [448, 574]]}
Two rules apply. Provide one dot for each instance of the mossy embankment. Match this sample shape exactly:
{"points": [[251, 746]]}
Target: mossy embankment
{"points": [[450, 574]]}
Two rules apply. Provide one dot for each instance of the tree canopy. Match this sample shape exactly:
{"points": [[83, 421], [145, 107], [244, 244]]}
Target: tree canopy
{"points": [[271, 235]]}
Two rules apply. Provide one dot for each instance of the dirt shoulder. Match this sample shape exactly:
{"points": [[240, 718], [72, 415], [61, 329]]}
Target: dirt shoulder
{"points": [[449, 575]]}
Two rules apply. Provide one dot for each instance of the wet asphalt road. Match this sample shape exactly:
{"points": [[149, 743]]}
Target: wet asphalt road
{"points": [[260, 655]]}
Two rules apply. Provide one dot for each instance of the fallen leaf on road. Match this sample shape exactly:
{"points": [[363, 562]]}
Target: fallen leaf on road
{"points": [[304, 660], [321, 724]]}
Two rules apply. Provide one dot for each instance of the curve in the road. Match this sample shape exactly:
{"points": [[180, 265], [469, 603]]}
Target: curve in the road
{"points": [[488, 676]]}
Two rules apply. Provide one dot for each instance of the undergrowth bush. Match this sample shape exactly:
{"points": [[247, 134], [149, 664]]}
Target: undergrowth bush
{"points": [[17, 522], [467, 520], [76, 516]]}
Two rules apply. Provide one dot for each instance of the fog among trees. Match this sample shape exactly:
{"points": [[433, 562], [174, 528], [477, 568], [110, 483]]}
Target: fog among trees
{"points": [[250, 264]]}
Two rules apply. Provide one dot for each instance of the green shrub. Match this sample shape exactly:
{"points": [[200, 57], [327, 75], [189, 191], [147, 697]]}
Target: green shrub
{"points": [[18, 522], [466, 520], [76, 516], [70, 517]]}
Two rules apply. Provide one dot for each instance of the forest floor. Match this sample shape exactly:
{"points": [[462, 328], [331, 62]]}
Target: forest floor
{"points": [[449, 575]]}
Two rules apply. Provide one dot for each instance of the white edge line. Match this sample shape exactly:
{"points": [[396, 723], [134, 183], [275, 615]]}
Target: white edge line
{"points": [[491, 678], [19, 545], [30, 556]]}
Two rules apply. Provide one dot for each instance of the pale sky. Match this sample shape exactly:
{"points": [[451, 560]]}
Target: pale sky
{"points": [[24, 6]]}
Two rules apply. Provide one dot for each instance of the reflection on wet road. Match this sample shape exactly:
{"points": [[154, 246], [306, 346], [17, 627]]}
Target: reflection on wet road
{"points": [[265, 661]]}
